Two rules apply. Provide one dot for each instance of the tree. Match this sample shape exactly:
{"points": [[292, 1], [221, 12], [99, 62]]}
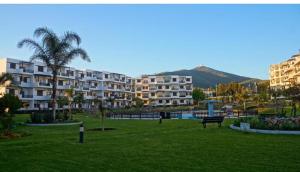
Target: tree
{"points": [[9, 104], [198, 95], [79, 100], [69, 93], [55, 52], [275, 93], [242, 96], [111, 100], [139, 103], [62, 101], [293, 93]]}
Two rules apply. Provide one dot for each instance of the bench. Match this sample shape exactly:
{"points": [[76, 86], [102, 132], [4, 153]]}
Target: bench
{"points": [[212, 119]]}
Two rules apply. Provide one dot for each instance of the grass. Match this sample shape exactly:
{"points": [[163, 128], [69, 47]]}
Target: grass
{"points": [[144, 145]]}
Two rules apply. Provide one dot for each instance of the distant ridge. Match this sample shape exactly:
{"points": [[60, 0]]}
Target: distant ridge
{"points": [[206, 77]]}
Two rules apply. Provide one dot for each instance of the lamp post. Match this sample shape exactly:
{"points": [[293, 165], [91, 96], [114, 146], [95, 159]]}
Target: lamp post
{"points": [[81, 132]]}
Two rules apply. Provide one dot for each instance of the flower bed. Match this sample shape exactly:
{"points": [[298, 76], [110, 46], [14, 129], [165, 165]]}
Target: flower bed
{"points": [[271, 123]]}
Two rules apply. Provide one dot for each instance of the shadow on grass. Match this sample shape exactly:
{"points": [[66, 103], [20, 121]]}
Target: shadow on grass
{"points": [[100, 129]]}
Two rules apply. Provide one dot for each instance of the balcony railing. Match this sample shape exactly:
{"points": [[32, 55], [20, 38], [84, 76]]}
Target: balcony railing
{"points": [[28, 70], [44, 84], [27, 96]]}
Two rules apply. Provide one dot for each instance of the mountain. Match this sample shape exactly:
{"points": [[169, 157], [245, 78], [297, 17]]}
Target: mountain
{"points": [[205, 77]]}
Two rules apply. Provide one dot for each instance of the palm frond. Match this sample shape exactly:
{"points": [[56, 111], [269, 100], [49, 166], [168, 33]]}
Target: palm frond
{"points": [[49, 38], [32, 45], [70, 37], [4, 77], [75, 53]]}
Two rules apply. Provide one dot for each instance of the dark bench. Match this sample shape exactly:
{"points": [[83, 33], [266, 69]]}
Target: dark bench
{"points": [[212, 119]]}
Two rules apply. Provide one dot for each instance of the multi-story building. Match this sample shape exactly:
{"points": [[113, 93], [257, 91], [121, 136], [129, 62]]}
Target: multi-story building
{"points": [[286, 73], [32, 83], [164, 90]]}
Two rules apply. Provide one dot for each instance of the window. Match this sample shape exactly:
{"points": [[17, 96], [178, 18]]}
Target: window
{"points": [[106, 76], [60, 82], [181, 101], [138, 80], [167, 101], [138, 94], [152, 79], [174, 79], [12, 65], [39, 92], [40, 68], [188, 79], [159, 87], [159, 101], [174, 94], [167, 87], [70, 73], [25, 79], [152, 94], [181, 87]]}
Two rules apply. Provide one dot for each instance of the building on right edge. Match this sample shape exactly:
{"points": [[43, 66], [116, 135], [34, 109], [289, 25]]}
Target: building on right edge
{"points": [[164, 90], [286, 73]]}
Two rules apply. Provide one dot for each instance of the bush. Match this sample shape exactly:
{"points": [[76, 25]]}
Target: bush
{"points": [[7, 121], [9, 104], [48, 118], [36, 118]]}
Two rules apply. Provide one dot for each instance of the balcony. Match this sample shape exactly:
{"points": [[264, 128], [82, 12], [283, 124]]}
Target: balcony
{"points": [[174, 88], [27, 70], [27, 84], [28, 96], [85, 88], [44, 84], [43, 97], [63, 86]]}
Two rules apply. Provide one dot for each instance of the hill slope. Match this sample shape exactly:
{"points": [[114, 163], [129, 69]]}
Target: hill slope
{"points": [[207, 77]]}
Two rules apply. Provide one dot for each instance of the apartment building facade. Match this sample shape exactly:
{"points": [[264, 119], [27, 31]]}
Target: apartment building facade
{"points": [[32, 83], [286, 73], [164, 90]]}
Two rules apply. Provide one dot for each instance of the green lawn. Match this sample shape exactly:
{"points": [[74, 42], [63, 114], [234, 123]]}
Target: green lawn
{"points": [[141, 145]]}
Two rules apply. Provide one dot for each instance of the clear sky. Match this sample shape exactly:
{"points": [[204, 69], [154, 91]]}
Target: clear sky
{"points": [[146, 39]]}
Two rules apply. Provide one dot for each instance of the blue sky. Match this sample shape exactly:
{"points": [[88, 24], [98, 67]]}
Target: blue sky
{"points": [[146, 39]]}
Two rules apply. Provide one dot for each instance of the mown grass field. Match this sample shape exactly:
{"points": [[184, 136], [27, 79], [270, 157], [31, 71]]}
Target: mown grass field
{"points": [[144, 145]]}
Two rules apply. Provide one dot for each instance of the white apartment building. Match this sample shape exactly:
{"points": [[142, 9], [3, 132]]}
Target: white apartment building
{"points": [[164, 90], [286, 73], [33, 84]]}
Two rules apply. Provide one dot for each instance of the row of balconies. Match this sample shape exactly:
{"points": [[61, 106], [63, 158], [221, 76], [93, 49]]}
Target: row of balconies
{"points": [[163, 89]]}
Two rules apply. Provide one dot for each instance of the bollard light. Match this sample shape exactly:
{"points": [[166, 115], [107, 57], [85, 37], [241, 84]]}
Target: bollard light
{"points": [[81, 131]]}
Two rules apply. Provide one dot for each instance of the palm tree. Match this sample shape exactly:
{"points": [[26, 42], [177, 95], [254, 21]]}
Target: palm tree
{"points": [[5, 78], [69, 93], [55, 52]]}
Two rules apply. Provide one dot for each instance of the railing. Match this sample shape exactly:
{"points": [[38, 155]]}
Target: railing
{"points": [[44, 84], [28, 70], [27, 96]]}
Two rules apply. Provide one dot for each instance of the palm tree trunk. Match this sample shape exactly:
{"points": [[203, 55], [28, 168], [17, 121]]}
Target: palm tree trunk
{"points": [[102, 121], [54, 88], [70, 110]]}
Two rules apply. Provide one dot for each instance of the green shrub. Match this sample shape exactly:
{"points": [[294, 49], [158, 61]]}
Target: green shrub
{"points": [[48, 118], [36, 118]]}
